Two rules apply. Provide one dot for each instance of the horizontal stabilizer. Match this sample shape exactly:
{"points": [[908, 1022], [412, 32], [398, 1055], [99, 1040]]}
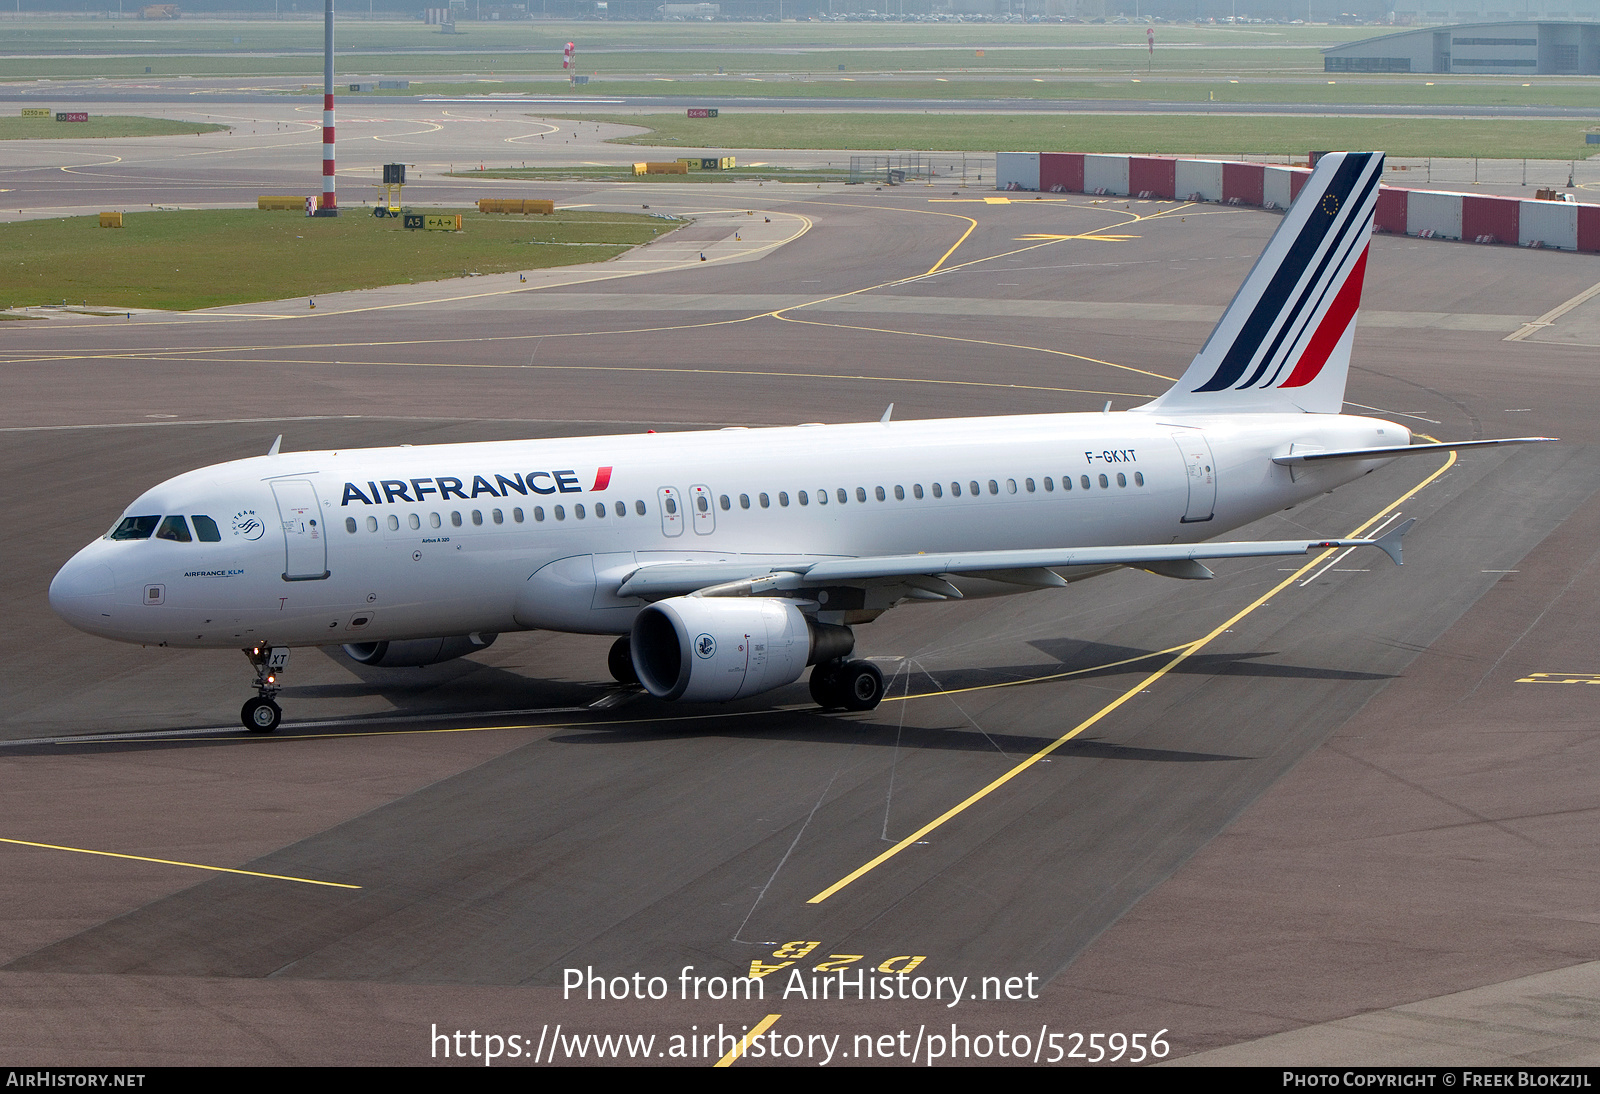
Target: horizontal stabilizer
{"points": [[1402, 450]]}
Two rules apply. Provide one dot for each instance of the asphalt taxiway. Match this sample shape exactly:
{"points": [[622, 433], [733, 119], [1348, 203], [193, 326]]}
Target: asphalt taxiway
{"points": [[1300, 794]]}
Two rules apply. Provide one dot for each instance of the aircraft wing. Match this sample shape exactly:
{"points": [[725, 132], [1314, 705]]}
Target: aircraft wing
{"points": [[1027, 567], [1402, 450]]}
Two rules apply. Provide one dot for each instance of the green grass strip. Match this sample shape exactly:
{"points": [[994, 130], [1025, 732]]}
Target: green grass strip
{"points": [[1159, 134], [107, 125], [181, 260]]}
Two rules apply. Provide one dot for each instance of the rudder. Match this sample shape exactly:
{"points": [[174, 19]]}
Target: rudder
{"points": [[1283, 344]]}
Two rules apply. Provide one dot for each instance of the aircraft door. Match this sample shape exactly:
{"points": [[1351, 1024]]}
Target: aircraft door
{"points": [[705, 513], [1202, 473], [671, 511], [304, 531]]}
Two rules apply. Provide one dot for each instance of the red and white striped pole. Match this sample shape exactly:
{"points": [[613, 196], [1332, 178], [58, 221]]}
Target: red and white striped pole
{"points": [[330, 203]]}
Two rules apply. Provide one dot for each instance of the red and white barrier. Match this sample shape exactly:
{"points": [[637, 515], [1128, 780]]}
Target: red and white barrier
{"points": [[1425, 214]]}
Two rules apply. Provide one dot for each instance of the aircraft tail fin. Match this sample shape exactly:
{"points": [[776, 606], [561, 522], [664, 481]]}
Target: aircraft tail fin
{"points": [[1284, 342]]}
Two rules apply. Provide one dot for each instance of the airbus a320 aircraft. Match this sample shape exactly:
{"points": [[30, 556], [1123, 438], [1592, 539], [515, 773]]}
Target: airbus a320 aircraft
{"points": [[729, 561]]}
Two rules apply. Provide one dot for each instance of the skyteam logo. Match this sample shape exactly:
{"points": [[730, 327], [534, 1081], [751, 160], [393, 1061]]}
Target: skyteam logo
{"points": [[1300, 300], [248, 525]]}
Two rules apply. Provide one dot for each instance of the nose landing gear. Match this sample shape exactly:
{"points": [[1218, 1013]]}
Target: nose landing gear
{"points": [[262, 714]]}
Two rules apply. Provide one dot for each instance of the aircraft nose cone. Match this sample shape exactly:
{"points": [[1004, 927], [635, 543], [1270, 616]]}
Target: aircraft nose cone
{"points": [[82, 594]]}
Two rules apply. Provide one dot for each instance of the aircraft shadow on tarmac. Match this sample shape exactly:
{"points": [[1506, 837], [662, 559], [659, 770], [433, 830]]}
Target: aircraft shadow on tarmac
{"points": [[812, 727]]}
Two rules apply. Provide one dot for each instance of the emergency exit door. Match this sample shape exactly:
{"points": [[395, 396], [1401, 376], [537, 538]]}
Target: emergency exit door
{"points": [[1201, 470], [305, 536]]}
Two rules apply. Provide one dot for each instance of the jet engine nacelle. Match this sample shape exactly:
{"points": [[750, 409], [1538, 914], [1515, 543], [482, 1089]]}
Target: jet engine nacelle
{"points": [[419, 651], [712, 649]]}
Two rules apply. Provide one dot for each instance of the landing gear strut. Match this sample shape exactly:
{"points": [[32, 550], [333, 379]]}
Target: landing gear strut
{"points": [[262, 714], [852, 685]]}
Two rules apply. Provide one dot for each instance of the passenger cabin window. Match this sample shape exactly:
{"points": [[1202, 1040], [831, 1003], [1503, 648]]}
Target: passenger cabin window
{"points": [[350, 525], [135, 528], [174, 528], [205, 530]]}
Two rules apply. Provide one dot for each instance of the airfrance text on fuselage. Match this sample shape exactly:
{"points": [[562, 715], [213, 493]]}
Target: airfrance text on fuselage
{"points": [[389, 491]]}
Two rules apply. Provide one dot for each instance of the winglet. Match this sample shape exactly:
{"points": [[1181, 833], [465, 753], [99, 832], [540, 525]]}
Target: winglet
{"points": [[273, 451], [886, 414], [1389, 542]]}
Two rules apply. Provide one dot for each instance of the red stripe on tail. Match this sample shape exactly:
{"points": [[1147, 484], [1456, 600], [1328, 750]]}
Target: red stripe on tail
{"points": [[1334, 324]]}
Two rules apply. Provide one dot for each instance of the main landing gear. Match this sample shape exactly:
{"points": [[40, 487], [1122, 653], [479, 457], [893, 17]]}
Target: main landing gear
{"points": [[852, 685], [620, 662], [262, 714]]}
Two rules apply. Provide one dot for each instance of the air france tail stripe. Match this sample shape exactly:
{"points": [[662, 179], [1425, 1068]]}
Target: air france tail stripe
{"points": [[1334, 324], [1291, 267], [1290, 276], [1338, 255]]}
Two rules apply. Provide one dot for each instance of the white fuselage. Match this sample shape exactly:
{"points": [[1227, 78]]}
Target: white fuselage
{"points": [[322, 548]]}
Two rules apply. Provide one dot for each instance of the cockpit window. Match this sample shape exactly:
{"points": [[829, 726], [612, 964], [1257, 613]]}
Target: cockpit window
{"points": [[205, 530], [135, 528], [174, 528]]}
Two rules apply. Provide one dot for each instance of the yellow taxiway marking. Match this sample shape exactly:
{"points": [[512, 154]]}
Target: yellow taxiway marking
{"points": [[1096, 236], [971, 341], [1184, 653], [743, 1046], [171, 862], [971, 224], [1548, 318], [1561, 678], [1037, 679]]}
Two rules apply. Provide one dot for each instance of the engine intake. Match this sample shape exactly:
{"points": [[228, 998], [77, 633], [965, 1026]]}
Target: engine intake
{"points": [[710, 649], [418, 651]]}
